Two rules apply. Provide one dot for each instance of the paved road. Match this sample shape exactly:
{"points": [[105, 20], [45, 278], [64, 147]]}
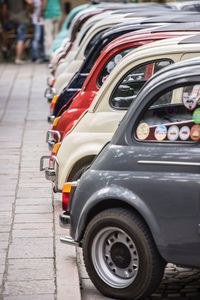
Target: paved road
{"points": [[34, 265], [177, 284]]}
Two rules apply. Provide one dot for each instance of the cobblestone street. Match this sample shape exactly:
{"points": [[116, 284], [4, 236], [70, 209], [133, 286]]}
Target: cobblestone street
{"points": [[34, 265]]}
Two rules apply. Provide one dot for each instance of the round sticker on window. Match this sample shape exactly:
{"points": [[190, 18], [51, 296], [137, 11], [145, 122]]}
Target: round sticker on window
{"points": [[184, 133], [117, 58], [110, 66], [195, 133], [160, 132], [196, 116], [173, 133], [142, 131]]}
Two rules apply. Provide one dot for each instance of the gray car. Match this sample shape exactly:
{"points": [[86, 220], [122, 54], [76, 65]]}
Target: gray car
{"points": [[138, 206]]}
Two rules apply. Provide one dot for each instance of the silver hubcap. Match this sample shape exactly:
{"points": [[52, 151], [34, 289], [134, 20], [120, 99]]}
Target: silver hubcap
{"points": [[115, 257]]}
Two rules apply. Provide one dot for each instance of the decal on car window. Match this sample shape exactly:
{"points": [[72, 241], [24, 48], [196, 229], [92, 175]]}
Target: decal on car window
{"points": [[191, 97], [110, 65], [195, 132], [173, 133], [160, 132], [142, 131], [196, 116], [174, 116], [184, 133]]}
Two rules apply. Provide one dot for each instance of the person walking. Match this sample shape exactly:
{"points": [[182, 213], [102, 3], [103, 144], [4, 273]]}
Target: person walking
{"points": [[38, 32], [16, 16], [52, 18]]}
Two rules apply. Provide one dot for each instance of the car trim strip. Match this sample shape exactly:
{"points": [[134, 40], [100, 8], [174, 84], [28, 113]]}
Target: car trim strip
{"points": [[175, 163]]}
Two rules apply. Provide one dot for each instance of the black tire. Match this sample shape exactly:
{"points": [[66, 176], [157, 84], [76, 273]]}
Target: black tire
{"points": [[117, 243], [80, 172]]}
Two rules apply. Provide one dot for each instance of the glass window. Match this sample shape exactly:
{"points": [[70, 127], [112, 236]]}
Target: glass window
{"points": [[110, 65], [173, 117], [127, 90]]}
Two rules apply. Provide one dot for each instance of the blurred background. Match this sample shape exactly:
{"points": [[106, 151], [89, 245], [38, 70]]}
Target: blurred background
{"points": [[17, 43]]}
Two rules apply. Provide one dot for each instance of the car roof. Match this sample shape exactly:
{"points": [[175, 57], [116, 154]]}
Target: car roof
{"points": [[195, 39], [179, 27], [125, 38], [142, 36], [172, 42], [194, 17], [146, 52], [156, 21]]}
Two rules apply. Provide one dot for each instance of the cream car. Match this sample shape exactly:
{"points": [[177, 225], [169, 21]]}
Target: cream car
{"points": [[80, 35], [96, 126], [75, 57]]}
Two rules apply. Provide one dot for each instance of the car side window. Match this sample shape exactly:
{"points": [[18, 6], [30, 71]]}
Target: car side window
{"points": [[128, 88], [173, 117], [110, 65]]}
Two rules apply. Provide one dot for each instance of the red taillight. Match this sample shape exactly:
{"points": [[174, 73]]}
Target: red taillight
{"points": [[51, 161], [65, 200]]}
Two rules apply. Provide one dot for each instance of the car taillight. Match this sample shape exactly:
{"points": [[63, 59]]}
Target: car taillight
{"points": [[67, 188], [65, 200], [51, 163]]}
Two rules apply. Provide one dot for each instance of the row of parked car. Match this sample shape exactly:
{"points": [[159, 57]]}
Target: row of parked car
{"points": [[124, 93]]}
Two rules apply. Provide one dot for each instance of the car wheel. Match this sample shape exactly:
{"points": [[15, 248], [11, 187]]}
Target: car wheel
{"points": [[120, 255]]}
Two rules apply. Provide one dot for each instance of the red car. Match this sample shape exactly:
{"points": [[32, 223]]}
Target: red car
{"points": [[102, 68]]}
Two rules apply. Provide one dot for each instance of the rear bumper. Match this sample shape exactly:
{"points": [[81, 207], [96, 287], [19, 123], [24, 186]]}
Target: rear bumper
{"points": [[64, 219], [53, 137], [49, 93], [50, 118], [51, 172]]}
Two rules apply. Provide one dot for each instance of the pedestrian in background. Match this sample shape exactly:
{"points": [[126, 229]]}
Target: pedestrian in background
{"points": [[4, 34], [16, 16], [52, 18], [38, 32]]}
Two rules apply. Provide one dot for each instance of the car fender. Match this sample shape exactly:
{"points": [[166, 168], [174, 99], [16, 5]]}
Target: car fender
{"points": [[126, 196], [78, 148]]}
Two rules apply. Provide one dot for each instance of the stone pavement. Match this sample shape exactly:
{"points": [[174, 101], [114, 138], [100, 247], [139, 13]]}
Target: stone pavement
{"points": [[33, 263], [177, 284]]}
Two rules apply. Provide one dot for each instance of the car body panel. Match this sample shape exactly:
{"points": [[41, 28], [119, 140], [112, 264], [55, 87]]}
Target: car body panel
{"points": [[166, 196]]}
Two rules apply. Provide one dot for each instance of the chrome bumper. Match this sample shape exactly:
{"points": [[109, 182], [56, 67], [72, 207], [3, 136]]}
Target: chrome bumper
{"points": [[52, 137], [51, 172], [49, 93], [64, 219], [69, 241], [50, 119]]}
